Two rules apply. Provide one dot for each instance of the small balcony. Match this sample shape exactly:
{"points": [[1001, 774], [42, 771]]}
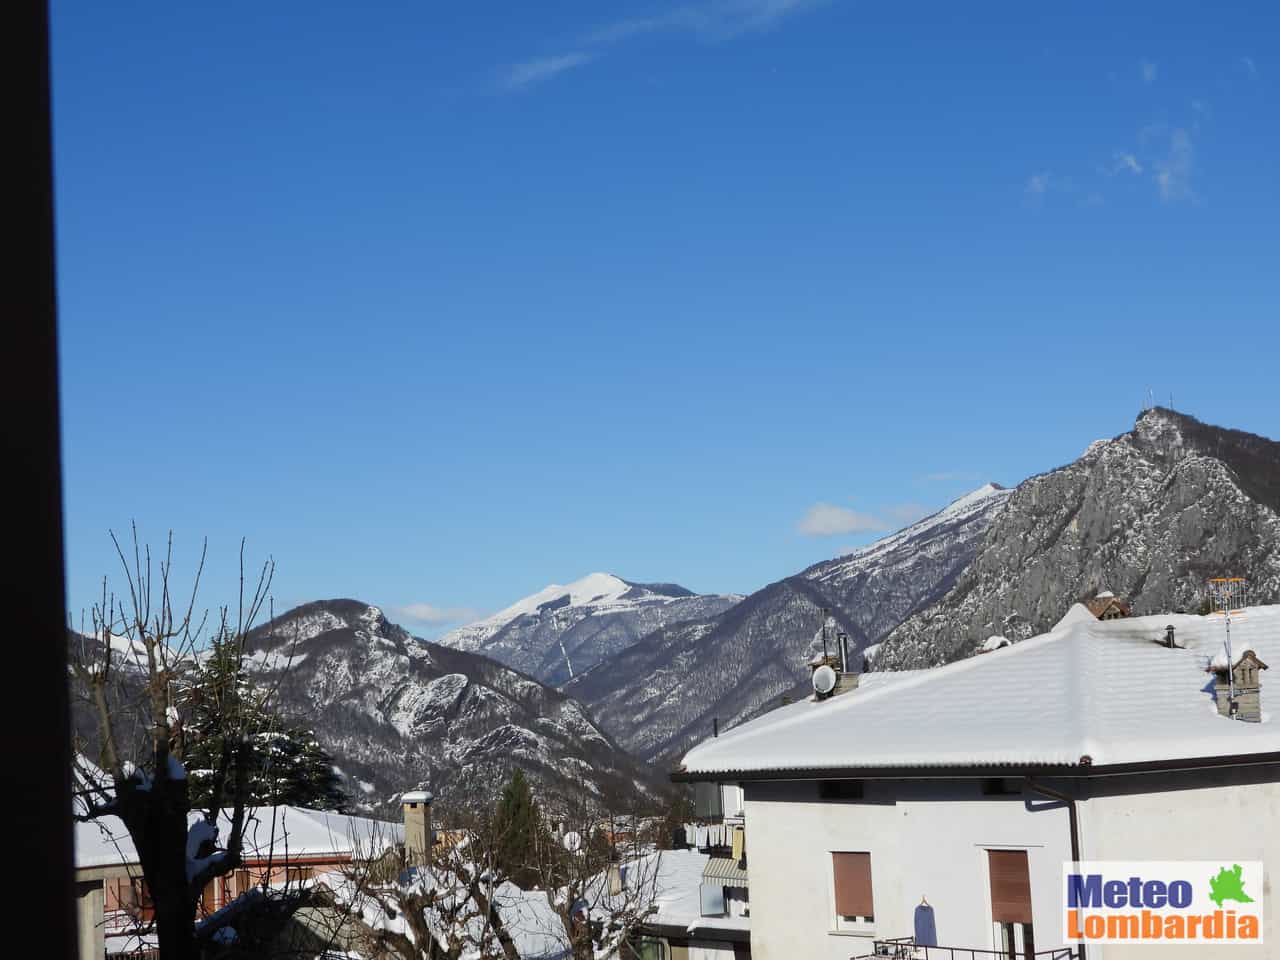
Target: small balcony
{"points": [[906, 948]]}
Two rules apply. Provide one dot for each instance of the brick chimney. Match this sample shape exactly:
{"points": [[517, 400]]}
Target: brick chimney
{"points": [[1246, 679], [416, 805]]}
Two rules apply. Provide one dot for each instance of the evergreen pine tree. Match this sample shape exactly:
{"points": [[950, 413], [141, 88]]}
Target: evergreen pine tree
{"points": [[287, 763], [516, 823]]}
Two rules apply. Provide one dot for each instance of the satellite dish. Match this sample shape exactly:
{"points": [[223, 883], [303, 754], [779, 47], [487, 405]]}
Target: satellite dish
{"points": [[824, 680], [572, 841]]}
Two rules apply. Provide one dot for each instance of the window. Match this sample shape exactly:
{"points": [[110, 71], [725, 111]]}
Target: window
{"points": [[840, 789], [854, 907], [1011, 901], [706, 801], [138, 899], [646, 948], [711, 896]]}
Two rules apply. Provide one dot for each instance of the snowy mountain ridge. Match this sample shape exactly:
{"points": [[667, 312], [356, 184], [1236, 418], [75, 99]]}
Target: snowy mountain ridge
{"points": [[661, 693], [394, 710], [562, 630]]}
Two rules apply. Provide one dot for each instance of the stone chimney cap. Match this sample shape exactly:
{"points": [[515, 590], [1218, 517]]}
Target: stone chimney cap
{"points": [[416, 796]]}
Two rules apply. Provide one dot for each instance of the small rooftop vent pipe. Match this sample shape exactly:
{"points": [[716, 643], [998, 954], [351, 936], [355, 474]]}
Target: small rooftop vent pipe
{"points": [[1168, 637]]}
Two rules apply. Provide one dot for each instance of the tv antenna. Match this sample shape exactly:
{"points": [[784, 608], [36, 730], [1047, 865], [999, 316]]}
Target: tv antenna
{"points": [[1229, 596]]}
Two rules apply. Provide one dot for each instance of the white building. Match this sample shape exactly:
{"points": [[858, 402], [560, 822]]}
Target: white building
{"points": [[956, 794]]}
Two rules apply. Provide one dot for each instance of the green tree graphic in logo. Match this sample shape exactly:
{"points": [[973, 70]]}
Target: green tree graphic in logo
{"points": [[1228, 885]]}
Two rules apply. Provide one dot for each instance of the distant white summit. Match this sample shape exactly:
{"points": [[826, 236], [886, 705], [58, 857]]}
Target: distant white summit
{"points": [[564, 629], [592, 590]]}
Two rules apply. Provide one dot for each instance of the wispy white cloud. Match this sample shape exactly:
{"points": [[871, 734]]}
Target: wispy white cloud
{"points": [[1149, 71], [713, 20], [1173, 172], [1122, 162], [827, 519], [1250, 66], [531, 71], [432, 615], [1037, 185]]}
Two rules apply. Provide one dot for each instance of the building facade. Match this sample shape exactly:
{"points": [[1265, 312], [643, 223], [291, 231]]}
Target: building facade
{"points": [[935, 809]]}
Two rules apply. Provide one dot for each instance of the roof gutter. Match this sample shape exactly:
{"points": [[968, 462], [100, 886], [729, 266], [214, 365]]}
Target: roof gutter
{"points": [[1073, 824], [1084, 769]]}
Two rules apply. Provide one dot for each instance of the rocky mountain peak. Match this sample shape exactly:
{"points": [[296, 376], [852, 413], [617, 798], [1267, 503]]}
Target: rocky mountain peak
{"points": [[1151, 514]]}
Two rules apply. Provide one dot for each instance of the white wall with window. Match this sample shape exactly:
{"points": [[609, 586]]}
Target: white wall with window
{"points": [[829, 875]]}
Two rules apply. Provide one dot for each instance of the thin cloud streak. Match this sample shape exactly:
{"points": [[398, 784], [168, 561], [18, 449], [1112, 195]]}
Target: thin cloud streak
{"points": [[715, 20], [543, 68]]}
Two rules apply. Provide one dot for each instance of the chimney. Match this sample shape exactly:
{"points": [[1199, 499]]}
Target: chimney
{"points": [[1243, 678], [416, 805]]}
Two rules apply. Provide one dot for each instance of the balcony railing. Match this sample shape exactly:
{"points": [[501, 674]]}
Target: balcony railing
{"points": [[906, 948]]}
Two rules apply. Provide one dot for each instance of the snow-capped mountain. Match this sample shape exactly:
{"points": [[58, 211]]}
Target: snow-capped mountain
{"points": [[1149, 515], [395, 710], [564, 630], [660, 694]]}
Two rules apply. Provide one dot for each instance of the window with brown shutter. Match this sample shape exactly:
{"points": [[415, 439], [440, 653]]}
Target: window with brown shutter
{"points": [[1010, 886], [853, 884]]}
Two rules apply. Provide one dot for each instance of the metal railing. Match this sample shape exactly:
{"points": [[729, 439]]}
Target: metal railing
{"points": [[906, 948]]}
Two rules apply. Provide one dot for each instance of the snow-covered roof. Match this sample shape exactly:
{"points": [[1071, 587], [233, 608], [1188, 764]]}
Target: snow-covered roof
{"points": [[283, 832], [1106, 690], [677, 891]]}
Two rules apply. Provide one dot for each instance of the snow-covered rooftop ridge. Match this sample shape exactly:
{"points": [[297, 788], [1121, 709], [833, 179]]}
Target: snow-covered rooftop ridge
{"points": [[1106, 690], [276, 831]]}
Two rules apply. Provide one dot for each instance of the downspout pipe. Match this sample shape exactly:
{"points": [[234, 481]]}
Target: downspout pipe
{"points": [[1073, 821]]}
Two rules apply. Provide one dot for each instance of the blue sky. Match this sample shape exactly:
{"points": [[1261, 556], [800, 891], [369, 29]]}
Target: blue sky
{"points": [[437, 304]]}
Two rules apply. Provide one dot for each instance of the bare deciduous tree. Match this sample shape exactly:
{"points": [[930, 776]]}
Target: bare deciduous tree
{"points": [[590, 894], [145, 643]]}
